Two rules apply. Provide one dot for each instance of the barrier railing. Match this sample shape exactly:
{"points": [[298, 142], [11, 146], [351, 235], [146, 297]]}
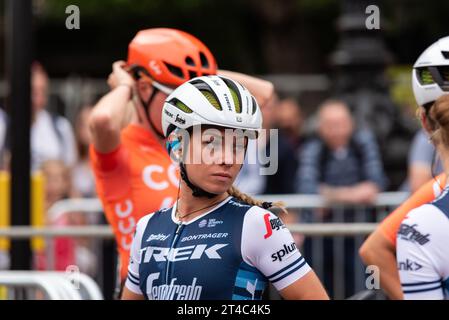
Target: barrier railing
{"points": [[33, 285]]}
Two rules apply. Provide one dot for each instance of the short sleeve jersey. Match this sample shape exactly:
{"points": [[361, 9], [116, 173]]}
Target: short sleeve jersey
{"points": [[423, 252], [231, 252]]}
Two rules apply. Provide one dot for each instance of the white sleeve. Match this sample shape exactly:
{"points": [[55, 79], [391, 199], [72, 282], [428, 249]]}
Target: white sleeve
{"points": [[70, 152], [422, 253], [269, 246], [133, 280]]}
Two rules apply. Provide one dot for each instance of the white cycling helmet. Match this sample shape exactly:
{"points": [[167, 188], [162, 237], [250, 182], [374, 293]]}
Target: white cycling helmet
{"points": [[431, 73], [211, 100]]}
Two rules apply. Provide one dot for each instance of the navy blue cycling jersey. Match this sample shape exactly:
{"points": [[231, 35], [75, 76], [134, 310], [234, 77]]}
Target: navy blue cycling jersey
{"points": [[230, 252]]}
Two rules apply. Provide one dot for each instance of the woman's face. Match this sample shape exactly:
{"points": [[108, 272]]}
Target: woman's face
{"points": [[214, 158]]}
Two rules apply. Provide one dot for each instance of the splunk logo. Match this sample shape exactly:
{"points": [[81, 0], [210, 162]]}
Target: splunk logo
{"points": [[172, 291], [179, 254], [285, 251]]}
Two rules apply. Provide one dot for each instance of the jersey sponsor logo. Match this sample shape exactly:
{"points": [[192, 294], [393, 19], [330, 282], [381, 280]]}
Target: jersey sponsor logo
{"points": [[196, 252], [155, 177], [211, 223], [409, 265], [272, 224], [173, 291], [284, 252], [157, 237], [205, 236], [410, 233], [126, 222]]}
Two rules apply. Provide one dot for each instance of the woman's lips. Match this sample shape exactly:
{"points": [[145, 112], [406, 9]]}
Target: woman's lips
{"points": [[222, 176]]}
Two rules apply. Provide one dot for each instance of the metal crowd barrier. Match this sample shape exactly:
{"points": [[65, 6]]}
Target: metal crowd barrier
{"points": [[48, 285], [328, 235]]}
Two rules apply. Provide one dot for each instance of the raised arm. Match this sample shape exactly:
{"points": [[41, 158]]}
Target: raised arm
{"points": [[111, 113]]}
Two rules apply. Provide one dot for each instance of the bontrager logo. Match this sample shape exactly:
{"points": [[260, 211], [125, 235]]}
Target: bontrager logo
{"points": [[179, 254], [172, 291], [410, 233], [279, 255], [205, 236], [158, 237]]}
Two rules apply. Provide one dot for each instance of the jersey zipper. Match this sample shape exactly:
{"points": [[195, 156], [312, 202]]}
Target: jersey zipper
{"points": [[168, 269]]}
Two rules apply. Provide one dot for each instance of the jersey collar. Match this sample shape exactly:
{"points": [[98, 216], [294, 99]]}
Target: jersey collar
{"points": [[176, 220]]}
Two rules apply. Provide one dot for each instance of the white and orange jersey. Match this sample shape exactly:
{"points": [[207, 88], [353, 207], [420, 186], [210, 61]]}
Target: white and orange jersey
{"points": [[427, 193]]}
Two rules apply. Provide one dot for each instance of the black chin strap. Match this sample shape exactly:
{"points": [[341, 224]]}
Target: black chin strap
{"points": [[196, 191], [146, 106]]}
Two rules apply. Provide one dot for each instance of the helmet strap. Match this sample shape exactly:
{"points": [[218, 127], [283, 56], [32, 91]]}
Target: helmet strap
{"points": [[146, 106], [196, 191]]}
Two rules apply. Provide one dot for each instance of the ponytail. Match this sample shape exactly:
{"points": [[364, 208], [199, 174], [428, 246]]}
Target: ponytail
{"points": [[236, 193]]}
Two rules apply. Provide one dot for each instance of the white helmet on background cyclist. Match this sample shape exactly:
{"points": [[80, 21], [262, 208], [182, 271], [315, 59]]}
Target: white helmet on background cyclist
{"points": [[211, 100], [431, 73]]}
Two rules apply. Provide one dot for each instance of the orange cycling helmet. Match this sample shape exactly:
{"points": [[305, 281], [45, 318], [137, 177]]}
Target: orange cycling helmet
{"points": [[170, 57]]}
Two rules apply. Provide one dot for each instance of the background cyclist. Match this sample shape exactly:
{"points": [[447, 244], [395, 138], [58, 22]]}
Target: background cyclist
{"points": [[380, 247]]}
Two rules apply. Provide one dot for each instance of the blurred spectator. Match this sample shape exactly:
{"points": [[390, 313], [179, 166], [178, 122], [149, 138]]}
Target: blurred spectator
{"points": [[423, 162], [51, 135], [289, 119], [342, 164], [83, 178], [3, 146], [67, 251]]}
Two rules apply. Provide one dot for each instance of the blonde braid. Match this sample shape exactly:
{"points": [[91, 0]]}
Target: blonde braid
{"points": [[236, 193]]}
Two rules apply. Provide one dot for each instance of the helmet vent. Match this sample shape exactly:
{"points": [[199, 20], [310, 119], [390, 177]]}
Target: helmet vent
{"points": [[204, 61], [192, 74], [190, 61], [212, 99], [445, 54], [174, 70], [208, 93], [181, 106], [254, 105], [235, 96], [424, 76]]}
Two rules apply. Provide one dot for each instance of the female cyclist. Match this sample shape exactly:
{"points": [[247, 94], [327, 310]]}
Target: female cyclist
{"points": [[215, 242], [430, 81], [422, 252]]}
